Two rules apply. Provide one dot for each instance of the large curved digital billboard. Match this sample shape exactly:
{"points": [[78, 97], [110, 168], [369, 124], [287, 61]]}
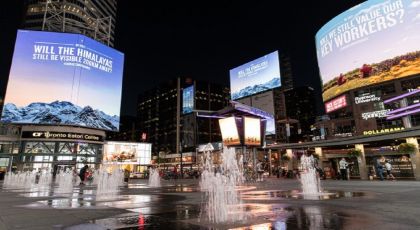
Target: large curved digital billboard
{"points": [[64, 79], [373, 42]]}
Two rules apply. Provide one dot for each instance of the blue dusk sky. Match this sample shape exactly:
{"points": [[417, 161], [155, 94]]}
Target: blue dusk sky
{"points": [[271, 70], [36, 80], [389, 29]]}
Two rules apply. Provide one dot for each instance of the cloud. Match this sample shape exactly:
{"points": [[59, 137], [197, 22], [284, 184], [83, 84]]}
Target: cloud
{"points": [[415, 4]]}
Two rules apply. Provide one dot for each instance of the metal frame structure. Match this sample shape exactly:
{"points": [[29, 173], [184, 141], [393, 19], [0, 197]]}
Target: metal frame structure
{"points": [[57, 18]]}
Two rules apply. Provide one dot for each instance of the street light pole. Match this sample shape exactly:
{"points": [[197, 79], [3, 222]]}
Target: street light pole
{"points": [[182, 171]]}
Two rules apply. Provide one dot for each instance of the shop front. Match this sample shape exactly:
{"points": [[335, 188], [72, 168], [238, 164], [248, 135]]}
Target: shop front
{"points": [[380, 147], [59, 148], [132, 157]]}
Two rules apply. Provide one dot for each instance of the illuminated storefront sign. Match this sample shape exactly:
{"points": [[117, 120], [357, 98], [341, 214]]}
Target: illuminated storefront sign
{"points": [[366, 97], [338, 103], [343, 134], [379, 113], [382, 131], [61, 135]]}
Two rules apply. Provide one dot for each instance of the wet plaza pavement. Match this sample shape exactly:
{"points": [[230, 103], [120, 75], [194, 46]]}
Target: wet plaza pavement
{"points": [[273, 204]]}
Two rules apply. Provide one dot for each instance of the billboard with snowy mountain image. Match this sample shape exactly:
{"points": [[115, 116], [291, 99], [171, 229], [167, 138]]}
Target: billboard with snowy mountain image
{"points": [[256, 76], [373, 42], [64, 79]]}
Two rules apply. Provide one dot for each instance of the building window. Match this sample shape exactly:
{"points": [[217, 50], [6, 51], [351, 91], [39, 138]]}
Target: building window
{"points": [[383, 123], [39, 147]]}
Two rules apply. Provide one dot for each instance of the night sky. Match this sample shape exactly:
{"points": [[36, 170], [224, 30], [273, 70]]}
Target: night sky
{"points": [[203, 40]]}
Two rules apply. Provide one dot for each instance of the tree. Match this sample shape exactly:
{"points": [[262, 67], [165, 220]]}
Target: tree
{"points": [[407, 148], [354, 153], [285, 157]]}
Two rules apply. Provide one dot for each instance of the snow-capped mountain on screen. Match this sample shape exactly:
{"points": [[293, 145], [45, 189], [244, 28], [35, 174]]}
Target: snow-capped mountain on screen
{"points": [[59, 112], [250, 90]]}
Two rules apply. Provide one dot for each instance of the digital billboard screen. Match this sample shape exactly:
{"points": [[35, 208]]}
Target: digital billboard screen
{"points": [[373, 42], [335, 104], [256, 76], [230, 134], [188, 100], [64, 79], [252, 131]]}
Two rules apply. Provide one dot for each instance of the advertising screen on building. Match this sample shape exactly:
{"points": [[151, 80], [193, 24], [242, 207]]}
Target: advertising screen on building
{"points": [[337, 103], [256, 76], [188, 100], [65, 79], [373, 42], [127, 153], [252, 131], [229, 131]]}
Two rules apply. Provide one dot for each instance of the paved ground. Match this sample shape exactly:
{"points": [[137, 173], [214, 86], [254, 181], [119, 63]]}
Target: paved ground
{"points": [[273, 204]]}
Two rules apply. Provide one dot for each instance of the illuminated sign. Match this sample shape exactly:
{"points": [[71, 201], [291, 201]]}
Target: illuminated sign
{"points": [[143, 136], [366, 97], [256, 76], [188, 100], [382, 131], [230, 135], [378, 114], [252, 131], [343, 134], [64, 79], [370, 43], [337, 103], [61, 135]]}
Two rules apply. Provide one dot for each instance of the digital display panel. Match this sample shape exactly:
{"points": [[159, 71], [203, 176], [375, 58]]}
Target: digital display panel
{"points": [[252, 131], [64, 79], [128, 153], [336, 103], [230, 135], [188, 100], [373, 42], [256, 76]]}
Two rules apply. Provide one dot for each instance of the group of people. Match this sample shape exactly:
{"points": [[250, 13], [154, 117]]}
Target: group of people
{"points": [[380, 167]]}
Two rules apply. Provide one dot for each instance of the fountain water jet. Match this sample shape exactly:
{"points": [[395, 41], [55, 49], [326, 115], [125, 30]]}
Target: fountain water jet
{"points": [[309, 178], [20, 180], [64, 180], [154, 179], [45, 178], [219, 183], [108, 182]]}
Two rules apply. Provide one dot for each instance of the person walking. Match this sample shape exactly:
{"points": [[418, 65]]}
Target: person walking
{"points": [[343, 168], [82, 174], [388, 168], [380, 169]]}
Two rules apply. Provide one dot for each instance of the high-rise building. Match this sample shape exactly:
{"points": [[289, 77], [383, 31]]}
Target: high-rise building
{"points": [[286, 71], [157, 109], [93, 18], [300, 106]]}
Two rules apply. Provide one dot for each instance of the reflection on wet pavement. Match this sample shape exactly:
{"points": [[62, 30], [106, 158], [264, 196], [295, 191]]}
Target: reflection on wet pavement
{"points": [[310, 217], [122, 201], [156, 210], [296, 194]]}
